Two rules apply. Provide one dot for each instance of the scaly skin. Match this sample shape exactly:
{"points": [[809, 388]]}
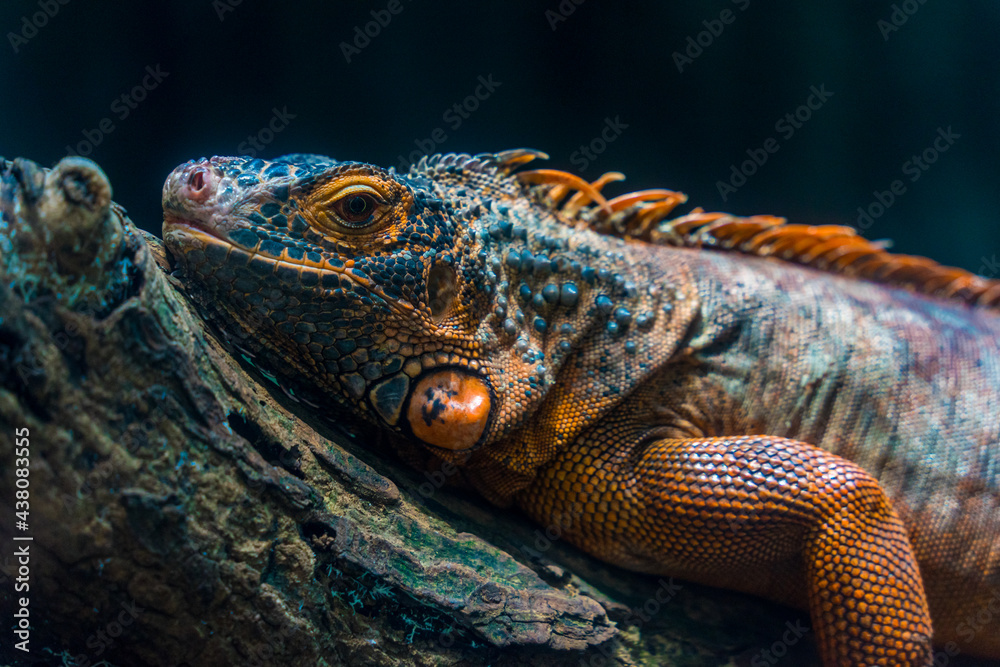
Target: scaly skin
{"points": [[738, 420]]}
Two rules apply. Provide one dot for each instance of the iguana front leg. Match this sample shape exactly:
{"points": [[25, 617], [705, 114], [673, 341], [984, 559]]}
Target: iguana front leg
{"points": [[767, 515]]}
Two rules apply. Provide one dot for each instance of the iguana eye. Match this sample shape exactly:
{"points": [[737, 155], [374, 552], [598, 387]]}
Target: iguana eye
{"points": [[358, 206], [354, 201]]}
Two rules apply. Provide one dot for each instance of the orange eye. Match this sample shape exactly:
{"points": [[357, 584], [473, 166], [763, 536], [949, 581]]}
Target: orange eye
{"points": [[358, 206], [354, 204], [356, 209]]}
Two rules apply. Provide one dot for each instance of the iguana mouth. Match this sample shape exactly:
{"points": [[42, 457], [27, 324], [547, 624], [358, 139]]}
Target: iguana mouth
{"points": [[185, 234], [173, 225]]}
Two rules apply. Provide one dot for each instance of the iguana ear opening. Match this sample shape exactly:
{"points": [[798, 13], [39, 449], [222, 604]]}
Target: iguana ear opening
{"points": [[450, 409], [442, 288]]}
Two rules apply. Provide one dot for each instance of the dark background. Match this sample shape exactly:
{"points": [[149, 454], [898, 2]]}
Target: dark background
{"points": [[230, 66]]}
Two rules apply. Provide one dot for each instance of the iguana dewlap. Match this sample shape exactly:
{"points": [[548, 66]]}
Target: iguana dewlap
{"points": [[779, 409]]}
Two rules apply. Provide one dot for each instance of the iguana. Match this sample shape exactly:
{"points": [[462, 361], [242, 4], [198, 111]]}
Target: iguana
{"points": [[781, 409]]}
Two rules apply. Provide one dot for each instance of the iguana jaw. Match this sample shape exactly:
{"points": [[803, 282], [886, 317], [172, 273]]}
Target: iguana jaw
{"points": [[449, 408]]}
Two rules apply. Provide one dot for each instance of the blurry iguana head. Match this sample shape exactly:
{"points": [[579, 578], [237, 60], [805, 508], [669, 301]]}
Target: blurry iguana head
{"points": [[439, 303]]}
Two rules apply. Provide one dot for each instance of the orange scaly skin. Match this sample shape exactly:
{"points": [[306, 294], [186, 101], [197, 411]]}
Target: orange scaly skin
{"points": [[779, 409]]}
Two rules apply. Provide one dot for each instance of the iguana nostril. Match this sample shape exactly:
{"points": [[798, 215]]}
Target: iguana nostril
{"points": [[199, 185], [196, 181]]}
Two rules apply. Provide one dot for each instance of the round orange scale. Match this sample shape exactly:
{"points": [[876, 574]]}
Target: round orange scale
{"points": [[449, 409]]}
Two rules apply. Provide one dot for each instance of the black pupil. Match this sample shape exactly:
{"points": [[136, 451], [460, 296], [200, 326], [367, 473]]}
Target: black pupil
{"points": [[357, 205]]}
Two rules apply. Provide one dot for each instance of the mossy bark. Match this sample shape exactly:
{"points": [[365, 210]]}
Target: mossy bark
{"points": [[184, 510]]}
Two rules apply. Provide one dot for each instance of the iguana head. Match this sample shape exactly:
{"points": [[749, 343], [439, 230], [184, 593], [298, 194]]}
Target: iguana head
{"points": [[438, 303]]}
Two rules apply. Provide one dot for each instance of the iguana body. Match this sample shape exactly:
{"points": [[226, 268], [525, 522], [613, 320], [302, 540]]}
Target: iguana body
{"points": [[806, 434]]}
